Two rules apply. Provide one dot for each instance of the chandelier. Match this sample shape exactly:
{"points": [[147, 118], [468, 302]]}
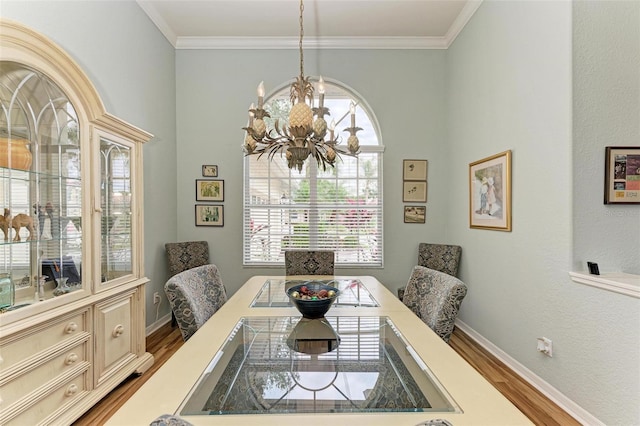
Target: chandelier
{"points": [[304, 136]]}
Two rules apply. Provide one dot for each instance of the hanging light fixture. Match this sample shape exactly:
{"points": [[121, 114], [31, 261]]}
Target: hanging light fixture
{"points": [[303, 137]]}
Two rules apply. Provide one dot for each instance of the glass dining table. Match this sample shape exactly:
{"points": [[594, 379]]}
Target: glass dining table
{"points": [[370, 361], [283, 364]]}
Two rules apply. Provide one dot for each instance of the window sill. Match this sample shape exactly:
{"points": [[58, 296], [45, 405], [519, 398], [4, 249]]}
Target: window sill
{"points": [[618, 282]]}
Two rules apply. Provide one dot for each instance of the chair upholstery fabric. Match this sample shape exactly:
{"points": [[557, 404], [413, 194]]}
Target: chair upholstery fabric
{"points": [[186, 255], [170, 420], [435, 297], [309, 262], [441, 257], [195, 295]]}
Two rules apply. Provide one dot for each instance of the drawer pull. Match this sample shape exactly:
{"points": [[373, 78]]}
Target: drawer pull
{"points": [[117, 332], [71, 327], [71, 358], [71, 390]]}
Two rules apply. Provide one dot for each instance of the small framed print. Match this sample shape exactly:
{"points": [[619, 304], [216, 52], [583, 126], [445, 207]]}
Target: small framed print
{"points": [[209, 215], [622, 175], [415, 214], [414, 192], [210, 171], [209, 190], [414, 170]]}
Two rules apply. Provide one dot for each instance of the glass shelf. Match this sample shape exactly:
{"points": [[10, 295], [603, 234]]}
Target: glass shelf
{"points": [[282, 364], [352, 293]]}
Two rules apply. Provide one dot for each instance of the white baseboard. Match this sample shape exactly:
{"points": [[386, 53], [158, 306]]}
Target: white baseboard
{"points": [[573, 409], [156, 325]]}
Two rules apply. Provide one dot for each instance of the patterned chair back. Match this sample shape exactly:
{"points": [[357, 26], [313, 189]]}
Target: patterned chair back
{"points": [[309, 262], [186, 255], [441, 257], [435, 297], [195, 295]]}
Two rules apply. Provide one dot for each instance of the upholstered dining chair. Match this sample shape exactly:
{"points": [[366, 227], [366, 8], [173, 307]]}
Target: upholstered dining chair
{"points": [[195, 295], [186, 255], [309, 262], [441, 257], [435, 297]]}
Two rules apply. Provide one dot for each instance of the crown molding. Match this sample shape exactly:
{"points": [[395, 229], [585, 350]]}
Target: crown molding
{"points": [[158, 21], [311, 43], [461, 21], [417, 43]]}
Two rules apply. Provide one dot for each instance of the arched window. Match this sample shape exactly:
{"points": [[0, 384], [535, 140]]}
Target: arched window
{"points": [[337, 209]]}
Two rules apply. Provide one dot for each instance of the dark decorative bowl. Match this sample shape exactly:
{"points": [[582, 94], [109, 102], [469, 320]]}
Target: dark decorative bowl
{"points": [[312, 309]]}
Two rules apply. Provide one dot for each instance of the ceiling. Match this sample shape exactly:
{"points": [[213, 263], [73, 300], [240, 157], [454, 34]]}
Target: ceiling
{"points": [[348, 24]]}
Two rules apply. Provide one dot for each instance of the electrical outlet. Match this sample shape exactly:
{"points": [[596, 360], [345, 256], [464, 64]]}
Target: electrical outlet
{"points": [[545, 346], [156, 298]]}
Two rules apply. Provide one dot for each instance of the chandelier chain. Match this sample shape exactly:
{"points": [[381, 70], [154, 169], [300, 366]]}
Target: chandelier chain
{"points": [[301, 35]]}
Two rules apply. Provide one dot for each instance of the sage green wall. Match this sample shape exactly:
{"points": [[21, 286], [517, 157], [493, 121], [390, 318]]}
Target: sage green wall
{"points": [[606, 80], [404, 88], [510, 87], [506, 83], [132, 66]]}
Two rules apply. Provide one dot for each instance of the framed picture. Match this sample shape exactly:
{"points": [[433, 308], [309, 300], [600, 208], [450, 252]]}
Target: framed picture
{"points": [[210, 171], [415, 214], [414, 192], [490, 192], [209, 215], [414, 170], [622, 175], [209, 190]]}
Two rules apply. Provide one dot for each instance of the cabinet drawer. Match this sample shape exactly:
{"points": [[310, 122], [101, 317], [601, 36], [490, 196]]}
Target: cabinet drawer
{"points": [[22, 383], [48, 405], [30, 341]]}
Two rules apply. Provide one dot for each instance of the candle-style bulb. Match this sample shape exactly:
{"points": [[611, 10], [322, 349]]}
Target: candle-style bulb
{"points": [[352, 109], [321, 92], [260, 94], [251, 114]]}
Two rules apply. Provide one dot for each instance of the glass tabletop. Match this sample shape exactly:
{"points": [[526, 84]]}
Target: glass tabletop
{"points": [[352, 293], [277, 365]]}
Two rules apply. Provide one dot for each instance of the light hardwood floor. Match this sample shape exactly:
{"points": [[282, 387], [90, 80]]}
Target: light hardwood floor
{"points": [[542, 411]]}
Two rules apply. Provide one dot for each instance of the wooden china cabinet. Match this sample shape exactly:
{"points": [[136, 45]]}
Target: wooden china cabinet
{"points": [[72, 300]]}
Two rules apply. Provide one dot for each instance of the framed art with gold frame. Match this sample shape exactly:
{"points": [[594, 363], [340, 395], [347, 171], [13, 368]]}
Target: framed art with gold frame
{"points": [[490, 192]]}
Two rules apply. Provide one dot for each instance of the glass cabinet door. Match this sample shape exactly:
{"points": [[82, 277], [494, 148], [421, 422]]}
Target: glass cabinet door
{"points": [[116, 186], [41, 189]]}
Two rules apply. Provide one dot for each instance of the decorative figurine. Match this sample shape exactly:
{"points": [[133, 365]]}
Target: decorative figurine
{"points": [[19, 221], [4, 224]]}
